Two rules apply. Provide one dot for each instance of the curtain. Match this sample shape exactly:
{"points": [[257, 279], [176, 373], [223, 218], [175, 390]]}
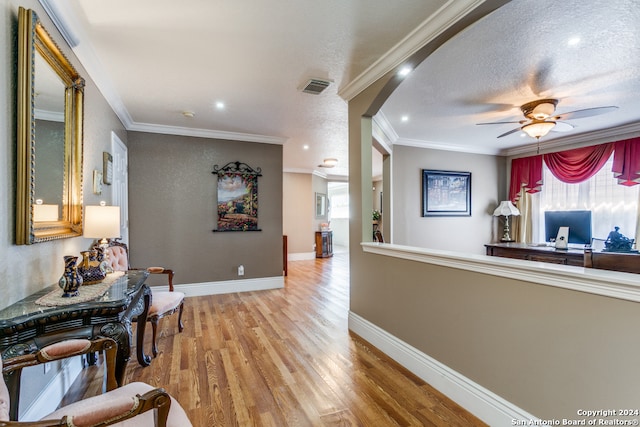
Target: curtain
{"points": [[626, 161], [522, 230], [574, 166], [578, 165], [526, 173]]}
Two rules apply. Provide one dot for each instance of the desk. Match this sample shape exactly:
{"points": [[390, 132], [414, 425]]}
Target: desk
{"points": [[25, 326], [536, 253]]}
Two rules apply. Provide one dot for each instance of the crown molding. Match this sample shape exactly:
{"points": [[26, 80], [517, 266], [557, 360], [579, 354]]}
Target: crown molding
{"points": [[446, 146], [433, 26], [630, 130], [205, 133], [64, 19], [383, 132]]}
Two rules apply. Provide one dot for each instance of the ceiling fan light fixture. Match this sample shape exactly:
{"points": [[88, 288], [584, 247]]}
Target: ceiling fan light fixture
{"points": [[538, 129], [543, 111], [329, 163]]}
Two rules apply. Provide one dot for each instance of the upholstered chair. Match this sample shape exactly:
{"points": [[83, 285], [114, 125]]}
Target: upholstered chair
{"points": [[163, 303], [133, 405]]}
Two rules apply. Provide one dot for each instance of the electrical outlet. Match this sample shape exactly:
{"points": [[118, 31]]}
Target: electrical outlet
{"points": [[241, 270]]}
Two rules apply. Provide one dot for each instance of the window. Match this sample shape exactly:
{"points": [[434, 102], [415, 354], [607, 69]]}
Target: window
{"points": [[610, 204], [339, 200]]}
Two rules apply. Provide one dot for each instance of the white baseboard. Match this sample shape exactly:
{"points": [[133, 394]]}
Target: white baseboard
{"points": [[301, 256], [484, 404], [51, 395], [227, 286]]}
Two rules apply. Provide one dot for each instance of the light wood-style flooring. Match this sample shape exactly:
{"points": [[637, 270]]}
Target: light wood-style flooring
{"points": [[284, 358]]}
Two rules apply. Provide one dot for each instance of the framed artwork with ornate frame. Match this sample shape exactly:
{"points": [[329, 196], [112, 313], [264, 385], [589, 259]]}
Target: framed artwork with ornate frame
{"points": [[446, 193], [237, 197]]}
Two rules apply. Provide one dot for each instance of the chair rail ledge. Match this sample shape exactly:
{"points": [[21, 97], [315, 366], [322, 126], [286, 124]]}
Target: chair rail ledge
{"points": [[614, 284]]}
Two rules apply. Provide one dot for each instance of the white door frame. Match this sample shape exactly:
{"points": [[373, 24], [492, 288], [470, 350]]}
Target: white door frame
{"points": [[120, 183]]}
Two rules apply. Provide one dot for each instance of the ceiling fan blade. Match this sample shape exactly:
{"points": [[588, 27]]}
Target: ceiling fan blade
{"points": [[509, 133], [500, 123], [562, 127], [587, 112]]}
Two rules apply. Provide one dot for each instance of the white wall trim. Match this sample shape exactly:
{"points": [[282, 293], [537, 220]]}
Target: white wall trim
{"points": [[227, 286], [45, 403], [436, 24], [483, 403], [614, 284], [301, 256], [205, 133]]}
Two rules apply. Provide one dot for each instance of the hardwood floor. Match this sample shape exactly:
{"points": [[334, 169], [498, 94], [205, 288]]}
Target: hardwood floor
{"points": [[284, 358]]}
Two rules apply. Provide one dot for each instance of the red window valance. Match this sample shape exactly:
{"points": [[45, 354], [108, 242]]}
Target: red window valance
{"points": [[578, 165], [626, 161], [525, 172]]}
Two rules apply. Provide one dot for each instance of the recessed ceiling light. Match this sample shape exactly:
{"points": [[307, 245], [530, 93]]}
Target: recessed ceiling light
{"points": [[305, 147], [404, 71], [573, 41], [189, 114], [405, 118], [220, 105]]}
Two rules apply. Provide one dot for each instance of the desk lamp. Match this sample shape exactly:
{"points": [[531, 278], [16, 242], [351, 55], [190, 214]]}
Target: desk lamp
{"points": [[102, 222], [506, 209]]}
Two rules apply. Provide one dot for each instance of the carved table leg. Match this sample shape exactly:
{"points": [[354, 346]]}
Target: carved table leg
{"points": [[118, 332], [143, 359]]}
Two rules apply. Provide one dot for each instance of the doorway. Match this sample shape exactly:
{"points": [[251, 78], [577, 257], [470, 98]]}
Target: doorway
{"points": [[120, 184], [338, 194]]}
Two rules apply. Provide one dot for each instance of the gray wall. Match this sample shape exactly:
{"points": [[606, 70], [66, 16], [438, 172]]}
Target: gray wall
{"points": [[172, 208], [29, 268], [463, 234]]}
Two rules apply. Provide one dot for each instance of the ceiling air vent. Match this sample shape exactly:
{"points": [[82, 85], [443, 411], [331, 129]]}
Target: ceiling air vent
{"points": [[316, 86]]}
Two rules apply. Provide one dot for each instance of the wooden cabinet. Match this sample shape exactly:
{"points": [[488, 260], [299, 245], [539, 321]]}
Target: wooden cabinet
{"points": [[324, 244]]}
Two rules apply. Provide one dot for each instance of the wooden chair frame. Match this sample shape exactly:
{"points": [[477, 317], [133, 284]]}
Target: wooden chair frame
{"points": [[154, 318], [154, 399]]}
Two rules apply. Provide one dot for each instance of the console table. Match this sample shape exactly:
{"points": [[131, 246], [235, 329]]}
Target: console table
{"points": [[25, 326], [536, 253]]}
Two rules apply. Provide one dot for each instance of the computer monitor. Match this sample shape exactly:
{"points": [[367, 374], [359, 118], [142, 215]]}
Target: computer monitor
{"points": [[579, 223]]}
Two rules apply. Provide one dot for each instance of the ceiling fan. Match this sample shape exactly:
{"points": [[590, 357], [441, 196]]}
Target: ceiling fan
{"points": [[540, 118]]}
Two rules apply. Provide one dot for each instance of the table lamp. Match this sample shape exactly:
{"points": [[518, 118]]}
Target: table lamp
{"points": [[102, 222], [506, 209]]}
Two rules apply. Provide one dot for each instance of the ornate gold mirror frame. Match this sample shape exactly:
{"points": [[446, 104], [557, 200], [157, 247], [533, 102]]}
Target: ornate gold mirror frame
{"points": [[33, 40]]}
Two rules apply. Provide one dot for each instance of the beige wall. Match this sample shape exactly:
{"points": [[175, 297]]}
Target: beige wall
{"points": [[298, 212], [463, 234], [549, 351], [172, 208]]}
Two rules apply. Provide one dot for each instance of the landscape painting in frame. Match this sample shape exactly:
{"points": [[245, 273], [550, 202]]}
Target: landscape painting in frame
{"points": [[446, 193], [237, 199]]}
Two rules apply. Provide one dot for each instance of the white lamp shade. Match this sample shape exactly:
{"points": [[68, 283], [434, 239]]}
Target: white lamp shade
{"points": [[43, 213], [506, 208], [101, 222]]}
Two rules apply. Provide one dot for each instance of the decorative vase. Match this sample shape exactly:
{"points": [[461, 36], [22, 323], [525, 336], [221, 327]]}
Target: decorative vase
{"points": [[92, 269], [71, 279]]}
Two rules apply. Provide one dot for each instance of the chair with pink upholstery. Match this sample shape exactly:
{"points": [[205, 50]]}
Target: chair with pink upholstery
{"points": [[163, 303], [133, 405]]}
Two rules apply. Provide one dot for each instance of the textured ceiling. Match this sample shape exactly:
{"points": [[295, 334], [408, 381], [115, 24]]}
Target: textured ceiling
{"points": [[585, 54], [154, 59]]}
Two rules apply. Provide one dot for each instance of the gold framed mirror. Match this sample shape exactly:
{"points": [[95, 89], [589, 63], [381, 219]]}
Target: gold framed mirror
{"points": [[49, 145]]}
